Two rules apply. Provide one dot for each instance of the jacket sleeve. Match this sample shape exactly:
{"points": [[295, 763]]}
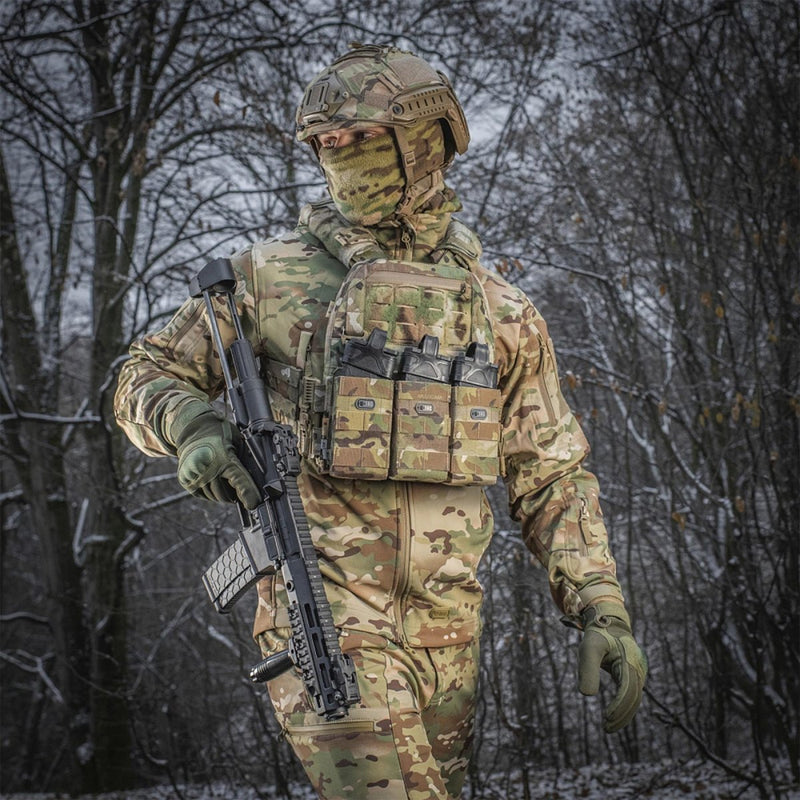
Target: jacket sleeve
{"points": [[173, 366], [551, 493]]}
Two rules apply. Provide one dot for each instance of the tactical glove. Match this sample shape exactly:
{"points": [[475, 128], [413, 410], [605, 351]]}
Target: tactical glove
{"points": [[207, 462], [608, 643]]}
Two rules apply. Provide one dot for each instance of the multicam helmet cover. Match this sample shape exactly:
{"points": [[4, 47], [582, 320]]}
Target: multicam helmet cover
{"points": [[381, 85]]}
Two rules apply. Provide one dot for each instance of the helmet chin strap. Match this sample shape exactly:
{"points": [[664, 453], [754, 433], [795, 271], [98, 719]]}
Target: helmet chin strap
{"points": [[407, 157], [414, 187], [413, 192]]}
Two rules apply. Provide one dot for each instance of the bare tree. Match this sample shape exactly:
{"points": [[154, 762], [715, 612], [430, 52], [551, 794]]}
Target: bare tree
{"points": [[677, 213], [112, 115]]}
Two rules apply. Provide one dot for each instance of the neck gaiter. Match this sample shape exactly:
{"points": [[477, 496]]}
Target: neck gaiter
{"points": [[364, 179]]}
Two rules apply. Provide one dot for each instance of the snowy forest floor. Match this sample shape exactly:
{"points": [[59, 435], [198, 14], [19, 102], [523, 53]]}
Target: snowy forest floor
{"points": [[666, 779]]}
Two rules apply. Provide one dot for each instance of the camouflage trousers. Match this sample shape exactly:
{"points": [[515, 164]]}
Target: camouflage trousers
{"points": [[410, 736]]}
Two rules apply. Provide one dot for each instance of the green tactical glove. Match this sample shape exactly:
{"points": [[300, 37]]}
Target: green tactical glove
{"points": [[207, 462], [608, 643]]}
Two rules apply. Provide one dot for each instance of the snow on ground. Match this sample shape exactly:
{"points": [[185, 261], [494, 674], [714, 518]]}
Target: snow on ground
{"points": [[662, 781]]}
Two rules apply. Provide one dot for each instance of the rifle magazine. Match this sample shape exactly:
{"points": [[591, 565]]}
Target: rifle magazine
{"points": [[229, 577]]}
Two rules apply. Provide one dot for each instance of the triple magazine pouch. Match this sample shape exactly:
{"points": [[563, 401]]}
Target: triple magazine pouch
{"points": [[431, 419]]}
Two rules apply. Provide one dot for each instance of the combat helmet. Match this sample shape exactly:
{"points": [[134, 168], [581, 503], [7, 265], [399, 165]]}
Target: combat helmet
{"points": [[382, 85]]}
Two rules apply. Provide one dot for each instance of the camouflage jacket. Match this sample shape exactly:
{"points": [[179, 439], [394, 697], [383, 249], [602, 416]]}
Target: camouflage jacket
{"points": [[399, 558]]}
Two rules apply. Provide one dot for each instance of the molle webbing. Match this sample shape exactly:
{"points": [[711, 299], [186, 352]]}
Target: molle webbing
{"points": [[408, 300]]}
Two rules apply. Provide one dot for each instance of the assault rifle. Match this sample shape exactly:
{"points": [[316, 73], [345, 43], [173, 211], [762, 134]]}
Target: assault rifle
{"points": [[275, 535]]}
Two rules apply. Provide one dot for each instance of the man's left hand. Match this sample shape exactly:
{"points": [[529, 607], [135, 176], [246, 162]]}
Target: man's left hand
{"points": [[608, 643]]}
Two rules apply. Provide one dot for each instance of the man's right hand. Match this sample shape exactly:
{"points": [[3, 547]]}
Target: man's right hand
{"points": [[207, 462]]}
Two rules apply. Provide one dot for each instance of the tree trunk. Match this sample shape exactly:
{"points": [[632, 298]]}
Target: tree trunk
{"points": [[38, 456]]}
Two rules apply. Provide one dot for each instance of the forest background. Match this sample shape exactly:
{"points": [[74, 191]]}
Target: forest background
{"points": [[634, 168]]}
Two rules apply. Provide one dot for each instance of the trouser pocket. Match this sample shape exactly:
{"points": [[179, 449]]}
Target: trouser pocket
{"points": [[361, 427], [474, 446], [421, 431]]}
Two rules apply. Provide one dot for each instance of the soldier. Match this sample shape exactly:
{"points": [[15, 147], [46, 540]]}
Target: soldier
{"points": [[394, 465]]}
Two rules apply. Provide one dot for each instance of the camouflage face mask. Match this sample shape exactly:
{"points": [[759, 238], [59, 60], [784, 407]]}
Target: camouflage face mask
{"points": [[364, 179]]}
